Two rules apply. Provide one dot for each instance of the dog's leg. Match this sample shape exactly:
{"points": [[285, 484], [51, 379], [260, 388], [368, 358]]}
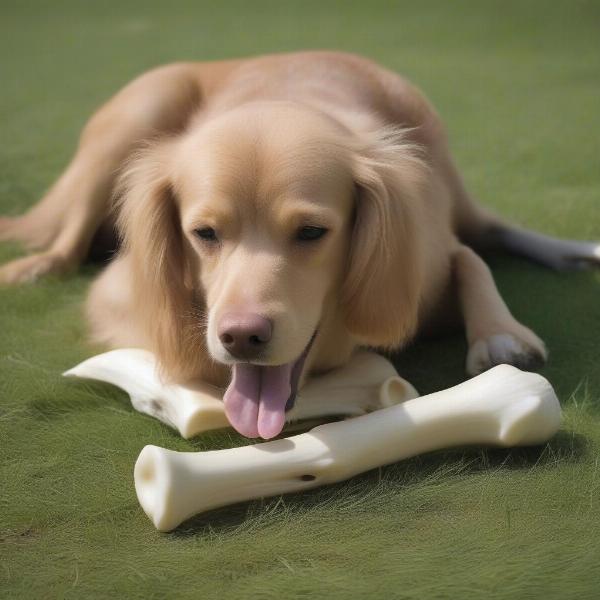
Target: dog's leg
{"points": [[64, 222], [493, 334]]}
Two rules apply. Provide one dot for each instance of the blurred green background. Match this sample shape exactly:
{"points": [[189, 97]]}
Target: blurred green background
{"points": [[518, 86]]}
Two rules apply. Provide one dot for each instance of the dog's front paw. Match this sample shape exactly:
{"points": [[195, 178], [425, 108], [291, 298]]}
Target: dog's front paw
{"points": [[525, 351], [31, 268]]}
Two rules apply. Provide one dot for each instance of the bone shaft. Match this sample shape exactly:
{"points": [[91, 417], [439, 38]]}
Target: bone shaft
{"points": [[323, 456], [505, 407]]}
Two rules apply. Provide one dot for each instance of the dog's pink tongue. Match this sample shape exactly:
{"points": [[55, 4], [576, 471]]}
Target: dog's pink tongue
{"points": [[256, 397], [242, 397], [274, 393]]}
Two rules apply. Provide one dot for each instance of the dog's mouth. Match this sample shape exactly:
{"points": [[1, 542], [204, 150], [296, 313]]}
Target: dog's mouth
{"points": [[259, 396]]}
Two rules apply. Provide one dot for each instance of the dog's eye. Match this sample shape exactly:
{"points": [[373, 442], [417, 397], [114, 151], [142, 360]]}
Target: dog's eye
{"points": [[310, 233], [206, 234]]}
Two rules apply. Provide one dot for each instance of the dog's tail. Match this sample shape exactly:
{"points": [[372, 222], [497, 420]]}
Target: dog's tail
{"points": [[549, 251], [480, 228]]}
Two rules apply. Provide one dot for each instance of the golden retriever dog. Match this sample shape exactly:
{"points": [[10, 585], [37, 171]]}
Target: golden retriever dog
{"points": [[276, 213]]}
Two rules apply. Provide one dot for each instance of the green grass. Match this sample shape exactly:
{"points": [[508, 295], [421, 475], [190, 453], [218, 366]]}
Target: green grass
{"points": [[517, 84]]}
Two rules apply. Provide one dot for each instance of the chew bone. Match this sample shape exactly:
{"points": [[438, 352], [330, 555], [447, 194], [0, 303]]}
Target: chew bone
{"points": [[350, 391], [503, 406]]}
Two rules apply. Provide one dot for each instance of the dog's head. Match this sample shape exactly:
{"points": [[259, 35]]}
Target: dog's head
{"points": [[262, 231]]}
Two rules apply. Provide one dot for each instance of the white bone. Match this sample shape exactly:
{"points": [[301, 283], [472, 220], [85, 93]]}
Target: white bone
{"points": [[503, 406], [350, 391]]}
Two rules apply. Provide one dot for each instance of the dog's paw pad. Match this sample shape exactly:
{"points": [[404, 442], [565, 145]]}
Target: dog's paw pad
{"points": [[507, 349]]}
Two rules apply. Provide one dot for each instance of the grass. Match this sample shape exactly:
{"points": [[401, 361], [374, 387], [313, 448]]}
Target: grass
{"points": [[518, 88]]}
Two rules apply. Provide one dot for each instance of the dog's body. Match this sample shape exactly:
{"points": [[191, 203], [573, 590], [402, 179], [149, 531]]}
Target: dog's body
{"points": [[289, 209]]}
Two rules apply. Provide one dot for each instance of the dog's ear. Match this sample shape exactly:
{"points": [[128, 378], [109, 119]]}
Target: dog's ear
{"points": [[149, 225], [380, 294]]}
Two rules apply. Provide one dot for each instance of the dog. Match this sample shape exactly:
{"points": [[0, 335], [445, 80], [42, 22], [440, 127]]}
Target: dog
{"points": [[274, 214]]}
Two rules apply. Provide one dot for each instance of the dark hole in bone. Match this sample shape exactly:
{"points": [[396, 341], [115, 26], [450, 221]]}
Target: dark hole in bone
{"points": [[156, 407], [307, 477]]}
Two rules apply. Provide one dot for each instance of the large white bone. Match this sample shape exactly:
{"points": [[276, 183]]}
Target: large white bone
{"points": [[503, 406], [349, 391]]}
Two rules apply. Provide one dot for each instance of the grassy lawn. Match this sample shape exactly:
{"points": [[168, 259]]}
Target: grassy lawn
{"points": [[517, 84]]}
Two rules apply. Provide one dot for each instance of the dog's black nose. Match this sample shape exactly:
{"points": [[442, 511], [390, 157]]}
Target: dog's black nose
{"points": [[244, 335]]}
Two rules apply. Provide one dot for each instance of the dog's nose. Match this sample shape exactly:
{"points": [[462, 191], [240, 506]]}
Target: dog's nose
{"points": [[244, 335]]}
